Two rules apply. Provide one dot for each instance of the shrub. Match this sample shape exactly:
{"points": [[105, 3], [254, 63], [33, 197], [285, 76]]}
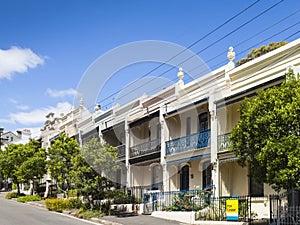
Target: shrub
{"points": [[29, 198], [72, 193], [121, 197], [13, 195], [87, 214], [56, 204], [74, 203], [59, 205], [14, 186]]}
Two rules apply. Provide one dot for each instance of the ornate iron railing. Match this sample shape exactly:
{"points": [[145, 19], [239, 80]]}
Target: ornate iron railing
{"points": [[121, 151], [145, 148], [223, 142], [193, 141]]}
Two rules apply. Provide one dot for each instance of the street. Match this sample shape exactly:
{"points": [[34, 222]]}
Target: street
{"points": [[15, 213]]}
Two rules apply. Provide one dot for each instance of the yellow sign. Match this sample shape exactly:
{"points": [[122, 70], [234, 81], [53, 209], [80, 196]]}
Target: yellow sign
{"points": [[232, 209]]}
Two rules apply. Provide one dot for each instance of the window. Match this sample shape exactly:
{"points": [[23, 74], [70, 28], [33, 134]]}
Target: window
{"points": [[188, 130], [184, 178], [203, 121], [206, 174], [256, 188], [156, 170]]}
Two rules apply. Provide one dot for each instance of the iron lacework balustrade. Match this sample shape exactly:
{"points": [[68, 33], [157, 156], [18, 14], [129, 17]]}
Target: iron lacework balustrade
{"points": [[121, 151], [190, 142], [145, 148], [223, 142]]}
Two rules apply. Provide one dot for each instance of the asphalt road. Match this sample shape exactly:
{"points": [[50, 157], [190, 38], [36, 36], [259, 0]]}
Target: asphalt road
{"points": [[15, 213]]}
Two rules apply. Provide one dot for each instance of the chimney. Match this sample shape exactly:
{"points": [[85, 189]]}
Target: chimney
{"points": [[19, 134]]}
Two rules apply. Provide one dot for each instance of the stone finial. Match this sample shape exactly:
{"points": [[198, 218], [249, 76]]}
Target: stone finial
{"points": [[230, 54], [180, 74], [81, 102], [97, 107], [230, 66]]}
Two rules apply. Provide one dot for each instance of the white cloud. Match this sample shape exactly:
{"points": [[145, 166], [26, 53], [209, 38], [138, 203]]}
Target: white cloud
{"points": [[22, 107], [60, 93], [17, 60], [37, 116], [19, 105]]}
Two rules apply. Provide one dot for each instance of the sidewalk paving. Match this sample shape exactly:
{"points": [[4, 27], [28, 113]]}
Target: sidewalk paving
{"points": [[140, 220]]}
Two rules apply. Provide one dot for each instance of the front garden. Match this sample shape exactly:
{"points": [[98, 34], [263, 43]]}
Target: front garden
{"points": [[80, 207]]}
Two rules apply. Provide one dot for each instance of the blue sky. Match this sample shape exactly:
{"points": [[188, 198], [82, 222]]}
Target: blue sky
{"points": [[47, 45]]}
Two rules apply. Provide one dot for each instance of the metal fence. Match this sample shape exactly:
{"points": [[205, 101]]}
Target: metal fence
{"points": [[202, 202], [285, 209]]}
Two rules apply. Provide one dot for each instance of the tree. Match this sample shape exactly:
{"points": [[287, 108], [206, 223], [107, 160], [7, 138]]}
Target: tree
{"points": [[94, 169], [267, 137], [257, 52], [101, 157], [61, 154], [10, 159], [34, 167], [22, 163]]}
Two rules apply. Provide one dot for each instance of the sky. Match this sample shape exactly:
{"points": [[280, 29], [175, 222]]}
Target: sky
{"points": [[48, 46]]}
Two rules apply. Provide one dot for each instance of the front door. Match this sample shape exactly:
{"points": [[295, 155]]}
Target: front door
{"points": [[184, 179]]}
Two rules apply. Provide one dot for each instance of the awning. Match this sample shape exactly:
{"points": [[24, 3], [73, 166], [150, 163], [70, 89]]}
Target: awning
{"points": [[232, 159], [188, 159]]}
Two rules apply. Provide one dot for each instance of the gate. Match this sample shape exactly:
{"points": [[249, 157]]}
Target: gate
{"points": [[284, 209], [150, 201]]}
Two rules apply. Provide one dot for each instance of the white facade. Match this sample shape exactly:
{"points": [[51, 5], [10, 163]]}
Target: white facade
{"points": [[177, 139]]}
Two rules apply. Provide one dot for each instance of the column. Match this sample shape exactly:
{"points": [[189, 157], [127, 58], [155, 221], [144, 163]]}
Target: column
{"points": [[214, 142], [163, 148], [127, 153]]}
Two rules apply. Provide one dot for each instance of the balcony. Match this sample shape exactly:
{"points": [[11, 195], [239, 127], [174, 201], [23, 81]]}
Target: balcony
{"points": [[145, 148], [121, 152], [190, 142], [223, 142]]}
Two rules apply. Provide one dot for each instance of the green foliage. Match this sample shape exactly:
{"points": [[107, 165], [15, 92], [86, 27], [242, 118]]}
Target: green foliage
{"points": [[72, 193], [22, 163], [267, 136], [74, 203], [95, 160], [29, 198], [101, 157], [61, 154], [121, 197], [87, 214], [11, 195], [260, 51], [182, 202], [212, 212], [14, 186], [59, 204]]}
